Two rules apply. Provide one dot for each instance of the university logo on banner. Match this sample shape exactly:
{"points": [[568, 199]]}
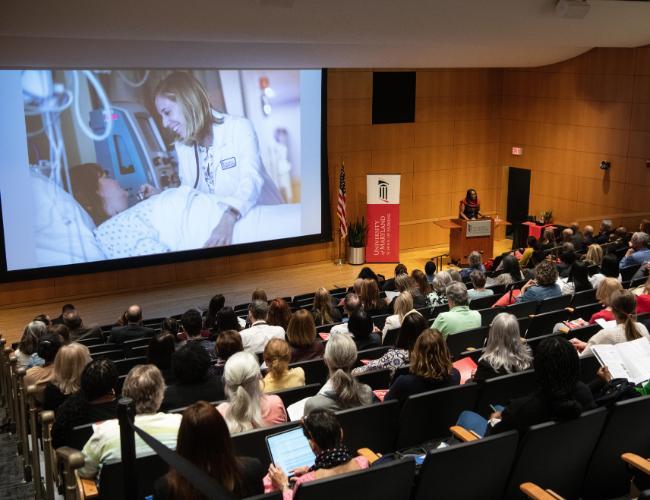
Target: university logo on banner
{"points": [[382, 214]]}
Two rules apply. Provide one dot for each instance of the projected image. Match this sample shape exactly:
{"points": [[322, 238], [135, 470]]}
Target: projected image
{"points": [[126, 163]]}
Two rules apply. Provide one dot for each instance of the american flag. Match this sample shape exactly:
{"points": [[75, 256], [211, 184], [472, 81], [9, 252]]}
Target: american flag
{"points": [[340, 209]]}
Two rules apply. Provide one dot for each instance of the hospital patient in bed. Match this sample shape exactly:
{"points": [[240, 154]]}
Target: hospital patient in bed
{"points": [[171, 221]]}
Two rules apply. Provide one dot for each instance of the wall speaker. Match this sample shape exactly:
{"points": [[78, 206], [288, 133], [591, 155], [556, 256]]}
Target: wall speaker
{"points": [[393, 97]]}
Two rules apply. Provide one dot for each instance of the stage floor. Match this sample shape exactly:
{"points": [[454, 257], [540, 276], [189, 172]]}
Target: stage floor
{"points": [[157, 302]]}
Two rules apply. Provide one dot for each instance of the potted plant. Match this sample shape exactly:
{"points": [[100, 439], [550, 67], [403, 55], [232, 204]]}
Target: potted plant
{"points": [[357, 232], [547, 217]]}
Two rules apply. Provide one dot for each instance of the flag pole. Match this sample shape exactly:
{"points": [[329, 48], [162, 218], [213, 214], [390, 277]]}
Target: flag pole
{"points": [[341, 212]]}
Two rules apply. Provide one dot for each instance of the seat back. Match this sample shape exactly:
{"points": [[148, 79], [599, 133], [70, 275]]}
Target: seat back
{"points": [[124, 365], [379, 320], [390, 481], [391, 336], [373, 426], [148, 469], [626, 430], [102, 347], [429, 415], [376, 379], [253, 443], [522, 309], [535, 341], [501, 390], [290, 396], [483, 302], [584, 333], [315, 370], [487, 315], [114, 355], [372, 353], [439, 475], [583, 298], [629, 271], [554, 303], [544, 456], [461, 341], [543, 323], [586, 312], [588, 367], [79, 436]]}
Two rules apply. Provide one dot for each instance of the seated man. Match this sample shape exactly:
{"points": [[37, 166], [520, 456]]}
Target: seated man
{"points": [[192, 324], [133, 329], [145, 386], [459, 317], [255, 338], [639, 253], [474, 260], [78, 330], [351, 304]]}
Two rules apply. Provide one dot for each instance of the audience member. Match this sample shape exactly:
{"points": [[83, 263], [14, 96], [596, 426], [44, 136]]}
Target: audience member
{"points": [[412, 326], [194, 378], [424, 286], [78, 330], [95, 401], [588, 235], [547, 241], [478, 286], [389, 284], [623, 304], [217, 303], [279, 313], [323, 309], [228, 343], [361, 328], [351, 303], [204, 440], [301, 336], [430, 368], [69, 364], [43, 318], [604, 294], [505, 352], [639, 253], [60, 330], [405, 283], [325, 437], [402, 305], [544, 285], [567, 258], [594, 255], [459, 317], [259, 294], [370, 299], [26, 354], [59, 319], [226, 319], [276, 357], [145, 386], [192, 324], [608, 269], [342, 390], [620, 238], [170, 325], [455, 276], [578, 279], [439, 295], [526, 256], [510, 272], [577, 238], [259, 333], [247, 407], [475, 262], [368, 274], [133, 328], [430, 270], [159, 353], [48, 347]]}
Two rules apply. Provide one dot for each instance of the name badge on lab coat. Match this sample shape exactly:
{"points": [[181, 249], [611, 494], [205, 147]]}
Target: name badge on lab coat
{"points": [[228, 163]]}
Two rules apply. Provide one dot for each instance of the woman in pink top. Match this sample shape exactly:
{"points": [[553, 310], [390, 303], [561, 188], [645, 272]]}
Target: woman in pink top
{"points": [[325, 436], [247, 408], [603, 294]]}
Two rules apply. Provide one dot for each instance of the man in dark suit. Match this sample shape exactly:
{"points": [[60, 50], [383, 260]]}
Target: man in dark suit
{"points": [[59, 319], [78, 330], [133, 328]]}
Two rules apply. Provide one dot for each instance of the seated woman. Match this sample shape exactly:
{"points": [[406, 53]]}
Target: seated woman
{"points": [[247, 408], [228, 343], [69, 364], [604, 294], [547, 241], [526, 256], [403, 304], [369, 295], [509, 272], [210, 316], [561, 395], [145, 386], [544, 286], [577, 281], [323, 309], [405, 283], [470, 206], [439, 295], [505, 352], [623, 304], [422, 281], [95, 401], [226, 319], [430, 368], [159, 353], [478, 289], [279, 313], [362, 329], [594, 255], [325, 436], [412, 326], [26, 353], [301, 336], [277, 355], [608, 269], [341, 391], [204, 440]]}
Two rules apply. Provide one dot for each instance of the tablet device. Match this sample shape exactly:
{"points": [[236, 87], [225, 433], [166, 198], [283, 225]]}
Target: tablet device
{"points": [[290, 449]]}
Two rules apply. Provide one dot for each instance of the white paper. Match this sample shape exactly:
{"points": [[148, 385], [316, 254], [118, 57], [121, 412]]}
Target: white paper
{"points": [[296, 410], [606, 324], [391, 295], [629, 360]]}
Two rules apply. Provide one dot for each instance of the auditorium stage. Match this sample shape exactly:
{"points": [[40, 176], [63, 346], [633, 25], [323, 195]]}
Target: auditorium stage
{"points": [[156, 302]]}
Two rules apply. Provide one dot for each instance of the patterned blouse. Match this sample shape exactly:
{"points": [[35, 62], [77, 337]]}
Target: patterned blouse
{"points": [[393, 359]]}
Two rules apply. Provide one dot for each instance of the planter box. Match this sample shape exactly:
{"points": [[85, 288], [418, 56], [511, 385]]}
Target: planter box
{"points": [[356, 255]]}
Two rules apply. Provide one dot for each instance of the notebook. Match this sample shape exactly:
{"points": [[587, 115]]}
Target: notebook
{"points": [[628, 360]]}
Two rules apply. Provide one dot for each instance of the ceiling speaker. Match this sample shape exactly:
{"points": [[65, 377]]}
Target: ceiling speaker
{"points": [[572, 9]]}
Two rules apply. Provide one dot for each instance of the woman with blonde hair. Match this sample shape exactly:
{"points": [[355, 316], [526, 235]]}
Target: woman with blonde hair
{"points": [[402, 305], [594, 255], [217, 153], [604, 294], [505, 352], [69, 364], [323, 310], [247, 407], [301, 336], [276, 357], [430, 368]]}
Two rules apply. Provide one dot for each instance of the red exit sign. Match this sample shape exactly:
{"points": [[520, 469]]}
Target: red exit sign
{"points": [[517, 151]]}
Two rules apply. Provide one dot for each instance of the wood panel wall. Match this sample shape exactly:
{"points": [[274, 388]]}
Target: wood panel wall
{"points": [[567, 117]]}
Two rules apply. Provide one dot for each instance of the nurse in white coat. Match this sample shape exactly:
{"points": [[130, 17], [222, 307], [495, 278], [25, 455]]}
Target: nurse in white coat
{"points": [[217, 153]]}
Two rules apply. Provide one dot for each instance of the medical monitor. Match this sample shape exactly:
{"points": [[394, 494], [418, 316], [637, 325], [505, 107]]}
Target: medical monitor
{"points": [[117, 168]]}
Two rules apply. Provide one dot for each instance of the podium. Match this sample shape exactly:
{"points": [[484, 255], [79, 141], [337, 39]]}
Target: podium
{"points": [[466, 236]]}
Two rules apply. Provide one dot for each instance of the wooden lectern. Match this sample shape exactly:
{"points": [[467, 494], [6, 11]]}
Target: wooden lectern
{"points": [[466, 236]]}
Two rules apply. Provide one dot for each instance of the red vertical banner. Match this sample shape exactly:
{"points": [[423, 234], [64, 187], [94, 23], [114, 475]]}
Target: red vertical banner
{"points": [[382, 214]]}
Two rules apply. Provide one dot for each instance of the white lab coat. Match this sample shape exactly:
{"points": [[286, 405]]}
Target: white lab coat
{"points": [[241, 180]]}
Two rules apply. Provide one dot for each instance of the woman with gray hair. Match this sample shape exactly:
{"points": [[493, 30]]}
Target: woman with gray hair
{"points": [[505, 351], [145, 386], [247, 407], [439, 295], [342, 390], [26, 353]]}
